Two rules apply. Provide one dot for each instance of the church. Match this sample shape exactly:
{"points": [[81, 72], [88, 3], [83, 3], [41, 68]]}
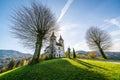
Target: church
{"points": [[55, 48]]}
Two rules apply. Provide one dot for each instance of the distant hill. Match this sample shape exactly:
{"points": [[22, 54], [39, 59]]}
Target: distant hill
{"points": [[12, 53], [111, 55], [82, 52]]}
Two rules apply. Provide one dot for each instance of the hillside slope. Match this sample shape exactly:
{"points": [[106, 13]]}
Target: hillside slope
{"points": [[65, 69]]}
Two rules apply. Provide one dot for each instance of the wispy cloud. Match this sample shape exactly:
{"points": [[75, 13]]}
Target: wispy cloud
{"points": [[117, 40], [105, 26], [69, 27], [116, 47], [72, 36], [82, 45], [68, 32], [115, 33], [114, 21], [64, 10], [110, 23]]}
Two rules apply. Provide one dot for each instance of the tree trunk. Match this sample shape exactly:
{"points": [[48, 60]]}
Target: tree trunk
{"points": [[68, 54], [102, 52], [36, 55]]}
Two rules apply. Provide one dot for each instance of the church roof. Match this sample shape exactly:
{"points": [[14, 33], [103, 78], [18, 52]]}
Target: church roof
{"points": [[60, 38], [47, 46], [53, 35], [58, 44]]}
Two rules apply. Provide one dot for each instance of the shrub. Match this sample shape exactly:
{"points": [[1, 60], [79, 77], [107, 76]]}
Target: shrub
{"points": [[25, 62], [5, 68], [18, 63], [81, 56], [91, 55], [43, 57], [11, 64]]}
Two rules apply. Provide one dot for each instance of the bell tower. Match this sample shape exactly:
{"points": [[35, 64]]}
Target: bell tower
{"points": [[61, 41], [53, 45], [53, 38]]}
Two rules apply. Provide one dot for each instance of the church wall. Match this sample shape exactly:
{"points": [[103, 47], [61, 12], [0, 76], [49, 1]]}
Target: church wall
{"points": [[58, 50]]}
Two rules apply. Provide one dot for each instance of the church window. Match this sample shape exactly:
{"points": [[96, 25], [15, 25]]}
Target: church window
{"points": [[59, 51], [58, 48], [59, 55]]}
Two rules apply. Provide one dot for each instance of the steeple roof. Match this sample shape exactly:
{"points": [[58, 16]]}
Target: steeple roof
{"points": [[60, 38], [53, 35], [59, 44]]}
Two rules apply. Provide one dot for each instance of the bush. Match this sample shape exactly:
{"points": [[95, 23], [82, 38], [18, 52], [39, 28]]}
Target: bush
{"points": [[5, 68], [91, 55], [43, 57], [18, 63], [25, 62], [81, 56], [11, 64]]}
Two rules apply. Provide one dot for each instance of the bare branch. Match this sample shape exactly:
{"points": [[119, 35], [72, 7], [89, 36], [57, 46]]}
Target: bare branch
{"points": [[28, 22]]}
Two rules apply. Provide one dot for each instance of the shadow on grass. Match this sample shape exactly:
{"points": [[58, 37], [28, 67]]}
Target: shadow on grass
{"points": [[88, 64], [53, 70]]}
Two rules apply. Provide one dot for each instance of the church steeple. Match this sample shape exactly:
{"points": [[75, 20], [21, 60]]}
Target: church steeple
{"points": [[61, 38], [53, 37], [61, 41], [56, 48]]}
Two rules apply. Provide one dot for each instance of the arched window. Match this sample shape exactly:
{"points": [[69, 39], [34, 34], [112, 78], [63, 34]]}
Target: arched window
{"points": [[58, 48], [59, 51], [59, 55]]}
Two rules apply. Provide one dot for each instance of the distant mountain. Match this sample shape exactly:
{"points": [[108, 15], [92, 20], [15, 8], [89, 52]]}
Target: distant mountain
{"points": [[111, 55], [82, 52], [12, 53]]}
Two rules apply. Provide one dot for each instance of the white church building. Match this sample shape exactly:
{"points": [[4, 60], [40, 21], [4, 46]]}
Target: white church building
{"points": [[56, 48]]}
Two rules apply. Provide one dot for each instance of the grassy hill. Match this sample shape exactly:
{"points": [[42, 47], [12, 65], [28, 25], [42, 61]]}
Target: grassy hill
{"points": [[65, 69]]}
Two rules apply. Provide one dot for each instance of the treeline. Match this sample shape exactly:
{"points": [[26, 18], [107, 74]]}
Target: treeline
{"points": [[77, 55], [15, 63], [46, 57], [89, 55]]}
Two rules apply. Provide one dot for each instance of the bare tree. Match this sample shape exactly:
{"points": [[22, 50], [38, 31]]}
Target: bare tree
{"points": [[98, 39], [33, 25]]}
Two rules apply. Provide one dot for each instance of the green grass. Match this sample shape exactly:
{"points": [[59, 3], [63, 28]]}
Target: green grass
{"points": [[65, 69]]}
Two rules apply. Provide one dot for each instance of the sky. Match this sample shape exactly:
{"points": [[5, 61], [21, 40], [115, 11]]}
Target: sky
{"points": [[74, 17]]}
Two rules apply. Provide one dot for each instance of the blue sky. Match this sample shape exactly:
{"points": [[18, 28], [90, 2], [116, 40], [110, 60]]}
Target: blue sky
{"points": [[74, 18]]}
